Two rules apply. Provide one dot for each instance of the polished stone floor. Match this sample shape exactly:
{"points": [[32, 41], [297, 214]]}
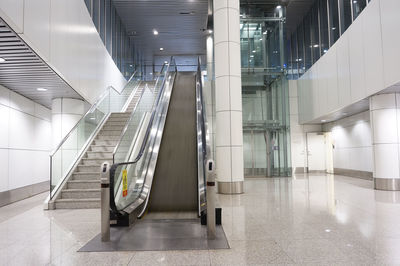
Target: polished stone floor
{"points": [[316, 219]]}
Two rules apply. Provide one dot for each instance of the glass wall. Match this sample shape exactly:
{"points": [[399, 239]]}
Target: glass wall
{"points": [[320, 28], [113, 34], [265, 91]]}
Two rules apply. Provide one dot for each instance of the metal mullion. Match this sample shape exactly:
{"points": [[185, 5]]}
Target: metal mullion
{"points": [[352, 12], [319, 29]]}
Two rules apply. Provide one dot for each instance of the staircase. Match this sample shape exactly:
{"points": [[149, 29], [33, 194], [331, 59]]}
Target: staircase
{"points": [[82, 190]]}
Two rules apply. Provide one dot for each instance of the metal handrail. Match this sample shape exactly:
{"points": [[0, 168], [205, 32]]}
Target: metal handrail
{"points": [[144, 142], [99, 99], [130, 118]]}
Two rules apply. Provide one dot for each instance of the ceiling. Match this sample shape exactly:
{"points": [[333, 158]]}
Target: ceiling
{"points": [[180, 24], [24, 71]]}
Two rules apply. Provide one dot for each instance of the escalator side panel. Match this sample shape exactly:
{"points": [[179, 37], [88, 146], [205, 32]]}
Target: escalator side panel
{"points": [[175, 180]]}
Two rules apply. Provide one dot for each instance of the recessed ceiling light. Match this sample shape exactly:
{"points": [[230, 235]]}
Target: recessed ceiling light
{"points": [[210, 31], [155, 32], [261, 39], [93, 118], [131, 65], [165, 62], [2, 60], [279, 7], [315, 45], [161, 49], [254, 51], [323, 120], [265, 32], [41, 89]]}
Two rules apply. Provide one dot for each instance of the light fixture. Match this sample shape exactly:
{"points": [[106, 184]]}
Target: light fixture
{"points": [[323, 120], [265, 32], [155, 32], [279, 7], [150, 73], [161, 49], [210, 31], [131, 65], [345, 114], [315, 45], [241, 15], [251, 55], [254, 51], [333, 28], [92, 118], [261, 39], [41, 89], [325, 50], [2, 60], [165, 62]]}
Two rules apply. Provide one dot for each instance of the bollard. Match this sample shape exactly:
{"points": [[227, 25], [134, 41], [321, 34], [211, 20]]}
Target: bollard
{"points": [[211, 227], [105, 201]]}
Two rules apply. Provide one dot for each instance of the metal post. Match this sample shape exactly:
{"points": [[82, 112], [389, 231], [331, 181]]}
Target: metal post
{"points": [[210, 170], [105, 201]]}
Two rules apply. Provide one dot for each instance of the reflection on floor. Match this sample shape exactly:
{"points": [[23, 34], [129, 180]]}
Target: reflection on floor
{"points": [[316, 219]]}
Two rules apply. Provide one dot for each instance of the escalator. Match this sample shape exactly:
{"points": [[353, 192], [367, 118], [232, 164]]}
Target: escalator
{"points": [[159, 168]]}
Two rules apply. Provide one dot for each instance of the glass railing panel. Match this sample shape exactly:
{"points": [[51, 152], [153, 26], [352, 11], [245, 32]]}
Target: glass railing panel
{"points": [[135, 147], [71, 147]]}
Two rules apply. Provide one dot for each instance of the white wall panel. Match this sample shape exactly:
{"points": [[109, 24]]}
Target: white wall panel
{"points": [[322, 85], [352, 138], [4, 126], [343, 70], [21, 103], [4, 169], [390, 21], [363, 62], [12, 12], [37, 26], [4, 96], [357, 63], [373, 54], [25, 141], [332, 80]]}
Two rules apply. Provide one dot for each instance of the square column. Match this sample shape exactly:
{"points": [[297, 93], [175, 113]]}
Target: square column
{"points": [[228, 97]]}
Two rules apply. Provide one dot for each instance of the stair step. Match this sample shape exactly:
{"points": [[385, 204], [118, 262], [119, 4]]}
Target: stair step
{"points": [[83, 184], [99, 154], [110, 133], [77, 203], [105, 142], [113, 127], [80, 194], [86, 175], [95, 162], [102, 148], [115, 123], [88, 168], [105, 137]]}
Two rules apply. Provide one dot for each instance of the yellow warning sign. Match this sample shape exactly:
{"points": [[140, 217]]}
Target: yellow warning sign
{"points": [[124, 183]]}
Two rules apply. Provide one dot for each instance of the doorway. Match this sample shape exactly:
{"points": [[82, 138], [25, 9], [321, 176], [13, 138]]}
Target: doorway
{"points": [[319, 152]]}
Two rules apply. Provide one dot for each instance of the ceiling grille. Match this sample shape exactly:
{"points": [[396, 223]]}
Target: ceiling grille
{"points": [[23, 71]]}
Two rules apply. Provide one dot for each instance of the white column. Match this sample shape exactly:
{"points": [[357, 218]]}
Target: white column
{"points": [[66, 113], [385, 123], [209, 94], [228, 97]]}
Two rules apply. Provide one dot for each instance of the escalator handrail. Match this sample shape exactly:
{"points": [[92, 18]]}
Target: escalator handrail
{"points": [[93, 107], [145, 139]]}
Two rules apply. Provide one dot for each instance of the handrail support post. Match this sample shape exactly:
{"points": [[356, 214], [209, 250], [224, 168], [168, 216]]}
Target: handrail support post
{"points": [[105, 201], [210, 194]]}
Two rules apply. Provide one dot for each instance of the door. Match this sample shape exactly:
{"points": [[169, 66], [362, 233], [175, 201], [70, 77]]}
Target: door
{"points": [[316, 154]]}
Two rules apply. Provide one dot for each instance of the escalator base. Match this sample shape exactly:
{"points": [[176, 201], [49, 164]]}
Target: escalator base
{"points": [[157, 235]]}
